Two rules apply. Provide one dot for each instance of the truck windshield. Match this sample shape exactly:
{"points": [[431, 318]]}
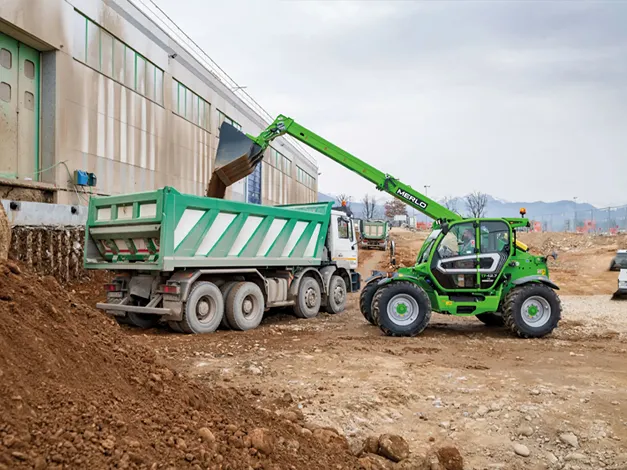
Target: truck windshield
{"points": [[426, 248]]}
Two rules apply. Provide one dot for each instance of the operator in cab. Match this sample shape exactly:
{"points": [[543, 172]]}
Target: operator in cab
{"points": [[467, 243]]}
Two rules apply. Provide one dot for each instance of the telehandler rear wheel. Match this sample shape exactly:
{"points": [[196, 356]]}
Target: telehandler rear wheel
{"points": [[532, 310], [365, 300], [490, 319], [401, 309]]}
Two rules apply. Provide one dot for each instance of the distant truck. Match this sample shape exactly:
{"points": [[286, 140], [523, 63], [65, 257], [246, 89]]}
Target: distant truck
{"points": [[375, 234], [198, 263]]}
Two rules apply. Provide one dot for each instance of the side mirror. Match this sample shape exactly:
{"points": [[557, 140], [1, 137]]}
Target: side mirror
{"points": [[553, 255]]}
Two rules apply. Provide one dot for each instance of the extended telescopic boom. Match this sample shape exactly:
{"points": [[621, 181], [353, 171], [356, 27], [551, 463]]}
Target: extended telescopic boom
{"points": [[383, 182]]}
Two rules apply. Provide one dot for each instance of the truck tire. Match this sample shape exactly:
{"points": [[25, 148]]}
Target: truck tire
{"points": [[203, 310], [142, 320], [336, 300], [225, 289], [532, 310], [244, 306], [401, 309], [365, 300], [309, 298], [490, 319]]}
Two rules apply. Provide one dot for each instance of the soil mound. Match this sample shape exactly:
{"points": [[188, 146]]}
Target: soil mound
{"points": [[77, 393]]}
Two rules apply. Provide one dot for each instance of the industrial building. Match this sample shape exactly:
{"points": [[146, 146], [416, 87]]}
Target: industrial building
{"points": [[100, 88]]}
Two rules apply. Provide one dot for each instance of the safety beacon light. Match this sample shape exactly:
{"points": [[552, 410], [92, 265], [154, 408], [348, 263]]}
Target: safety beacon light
{"points": [[523, 211]]}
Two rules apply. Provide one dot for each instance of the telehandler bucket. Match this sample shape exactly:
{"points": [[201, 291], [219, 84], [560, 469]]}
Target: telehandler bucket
{"points": [[236, 158]]}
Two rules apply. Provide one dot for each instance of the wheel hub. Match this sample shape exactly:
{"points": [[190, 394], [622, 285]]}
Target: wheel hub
{"points": [[204, 309], [310, 298], [338, 295], [403, 309], [536, 311], [247, 306]]}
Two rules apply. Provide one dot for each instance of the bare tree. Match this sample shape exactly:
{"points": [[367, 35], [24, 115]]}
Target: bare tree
{"points": [[370, 206], [395, 207], [344, 199], [450, 203], [476, 204]]}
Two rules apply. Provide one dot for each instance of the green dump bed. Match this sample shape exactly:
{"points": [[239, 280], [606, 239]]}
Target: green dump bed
{"points": [[375, 230], [165, 230]]}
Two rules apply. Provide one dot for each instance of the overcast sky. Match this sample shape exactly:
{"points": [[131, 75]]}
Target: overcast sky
{"points": [[523, 100]]}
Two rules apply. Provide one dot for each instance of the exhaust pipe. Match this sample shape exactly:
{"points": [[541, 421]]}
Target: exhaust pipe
{"points": [[236, 158]]}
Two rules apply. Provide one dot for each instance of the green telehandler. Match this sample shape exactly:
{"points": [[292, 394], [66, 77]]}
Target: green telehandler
{"points": [[466, 267]]}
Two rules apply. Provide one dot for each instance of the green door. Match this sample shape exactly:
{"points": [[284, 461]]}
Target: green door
{"points": [[19, 109]]}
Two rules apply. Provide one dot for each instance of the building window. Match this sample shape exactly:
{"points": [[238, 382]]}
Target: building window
{"points": [[6, 58], [108, 55], [305, 178], [254, 185], [281, 162], [5, 92], [189, 105], [222, 118]]}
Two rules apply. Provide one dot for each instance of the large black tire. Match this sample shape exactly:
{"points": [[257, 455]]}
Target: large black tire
{"points": [[226, 289], [401, 309], [245, 306], [365, 300], [490, 319], [203, 310], [532, 310], [142, 320], [336, 300], [309, 298]]}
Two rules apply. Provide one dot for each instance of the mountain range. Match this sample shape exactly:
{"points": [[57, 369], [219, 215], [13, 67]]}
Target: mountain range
{"points": [[557, 214]]}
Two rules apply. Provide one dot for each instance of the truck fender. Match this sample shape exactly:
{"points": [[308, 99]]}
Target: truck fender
{"points": [[313, 272], [535, 278], [326, 273]]}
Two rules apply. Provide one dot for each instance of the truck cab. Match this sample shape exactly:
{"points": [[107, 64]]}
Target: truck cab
{"points": [[342, 241]]}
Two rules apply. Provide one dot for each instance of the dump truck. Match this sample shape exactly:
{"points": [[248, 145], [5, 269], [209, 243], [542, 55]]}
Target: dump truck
{"points": [[375, 234], [466, 267], [196, 262]]}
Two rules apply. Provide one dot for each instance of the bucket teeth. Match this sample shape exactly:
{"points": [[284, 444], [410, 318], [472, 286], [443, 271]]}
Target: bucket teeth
{"points": [[236, 158]]}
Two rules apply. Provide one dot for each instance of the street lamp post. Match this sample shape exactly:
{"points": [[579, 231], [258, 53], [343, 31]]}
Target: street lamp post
{"points": [[575, 214]]}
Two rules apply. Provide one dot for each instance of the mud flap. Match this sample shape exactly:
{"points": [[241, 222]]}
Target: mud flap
{"points": [[236, 158]]}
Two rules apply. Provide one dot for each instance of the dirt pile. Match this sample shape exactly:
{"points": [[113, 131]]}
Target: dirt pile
{"points": [[75, 392], [545, 243], [5, 234]]}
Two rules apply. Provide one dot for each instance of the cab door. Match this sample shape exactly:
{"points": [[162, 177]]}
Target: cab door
{"points": [[344, 245], [495, 245], [454, 262]]}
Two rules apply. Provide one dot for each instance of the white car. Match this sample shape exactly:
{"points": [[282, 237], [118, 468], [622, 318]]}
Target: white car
{"points": [[622, 285]]}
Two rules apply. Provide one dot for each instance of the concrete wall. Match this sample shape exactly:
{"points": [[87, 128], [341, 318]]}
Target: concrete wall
{"points": [[94, 119]]}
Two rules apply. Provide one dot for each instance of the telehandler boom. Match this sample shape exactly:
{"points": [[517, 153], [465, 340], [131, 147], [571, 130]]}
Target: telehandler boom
{"points": [[466, 267]]}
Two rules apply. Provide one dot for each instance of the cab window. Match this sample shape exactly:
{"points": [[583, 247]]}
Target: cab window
{"points": [[459, 241], [343, 230], [494, 237]]}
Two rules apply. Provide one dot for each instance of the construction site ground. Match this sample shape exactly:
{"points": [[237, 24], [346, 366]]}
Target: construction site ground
{"points": [[77, 391], [479, 388]]}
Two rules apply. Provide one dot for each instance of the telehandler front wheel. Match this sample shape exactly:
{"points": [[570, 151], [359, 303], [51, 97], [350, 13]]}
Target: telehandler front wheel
{"points": [[532, 310], [401, 309]]}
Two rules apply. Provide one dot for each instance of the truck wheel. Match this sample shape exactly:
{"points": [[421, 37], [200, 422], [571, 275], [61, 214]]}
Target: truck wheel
{"points": [[336, 300], [532, 310], [309, 298], [490, 319], [365, 300], [204, 309], [225, 289], [401, 309], [142, 320], [244, 306]]}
